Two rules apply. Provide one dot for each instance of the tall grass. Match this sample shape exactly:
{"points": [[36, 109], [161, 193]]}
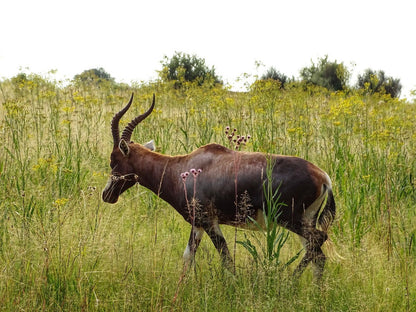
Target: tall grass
{"points": [[62, 248]]}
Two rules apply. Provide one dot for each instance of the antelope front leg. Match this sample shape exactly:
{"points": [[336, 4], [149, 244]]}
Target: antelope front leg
{"points": [[214, 232], [193, 243]]}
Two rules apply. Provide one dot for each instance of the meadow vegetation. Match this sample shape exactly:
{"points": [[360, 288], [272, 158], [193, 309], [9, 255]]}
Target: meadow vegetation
{"points": [[62, 248]]}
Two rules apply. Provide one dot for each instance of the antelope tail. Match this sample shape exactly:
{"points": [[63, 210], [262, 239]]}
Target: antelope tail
{"points": [[325, 219]]}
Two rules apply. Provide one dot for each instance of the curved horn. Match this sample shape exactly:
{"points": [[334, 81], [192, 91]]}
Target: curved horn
{"points": [[126, 135], [115, 122]]}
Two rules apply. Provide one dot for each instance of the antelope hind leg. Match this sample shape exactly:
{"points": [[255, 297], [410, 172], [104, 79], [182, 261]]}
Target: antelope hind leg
{"points": [[312, 241]]}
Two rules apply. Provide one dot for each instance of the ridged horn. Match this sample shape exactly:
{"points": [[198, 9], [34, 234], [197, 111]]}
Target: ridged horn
{"points": [[126, 135], [116, 120]]}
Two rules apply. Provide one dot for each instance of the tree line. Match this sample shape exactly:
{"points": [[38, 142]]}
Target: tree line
{"points": [[333, 76]]}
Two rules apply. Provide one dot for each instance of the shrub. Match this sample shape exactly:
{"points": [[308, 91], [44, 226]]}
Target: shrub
{"points": [[378, 82], [330, 75], [274, 74], [190, 68], [94, 75]]}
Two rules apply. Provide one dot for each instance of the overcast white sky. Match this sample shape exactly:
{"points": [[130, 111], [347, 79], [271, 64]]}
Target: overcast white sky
{"points": [[129, 38]]}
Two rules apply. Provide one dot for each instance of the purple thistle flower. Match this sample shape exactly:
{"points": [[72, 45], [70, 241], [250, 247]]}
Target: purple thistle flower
{"points": [[184, 175], [195, 172], [236, 140]]}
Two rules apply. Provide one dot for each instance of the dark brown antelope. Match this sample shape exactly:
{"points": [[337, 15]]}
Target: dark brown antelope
{"points": [[304, 189]]}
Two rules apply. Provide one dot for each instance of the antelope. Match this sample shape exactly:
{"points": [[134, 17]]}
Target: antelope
{"points": [[308, 206]]}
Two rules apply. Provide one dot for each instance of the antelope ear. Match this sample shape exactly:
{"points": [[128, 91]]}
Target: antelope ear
{"points": [[124, 147], [150, 145]]}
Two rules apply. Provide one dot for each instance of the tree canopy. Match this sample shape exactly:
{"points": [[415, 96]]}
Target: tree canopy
{"points": [[331, 75], [274, 74], [186, 67], [378, 82], [96, 75]]}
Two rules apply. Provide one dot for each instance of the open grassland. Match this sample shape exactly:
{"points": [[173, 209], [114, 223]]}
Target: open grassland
{"points": [[62, 248]]}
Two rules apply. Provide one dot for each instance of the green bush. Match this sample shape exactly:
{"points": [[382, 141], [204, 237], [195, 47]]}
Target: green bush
{"points": [[330, 75], [274, 74], [378, 82], [190, 68], [94, 75]]}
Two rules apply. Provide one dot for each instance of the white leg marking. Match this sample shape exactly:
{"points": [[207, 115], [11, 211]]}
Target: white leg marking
{"points": [[188, 256], [216, 228]]}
